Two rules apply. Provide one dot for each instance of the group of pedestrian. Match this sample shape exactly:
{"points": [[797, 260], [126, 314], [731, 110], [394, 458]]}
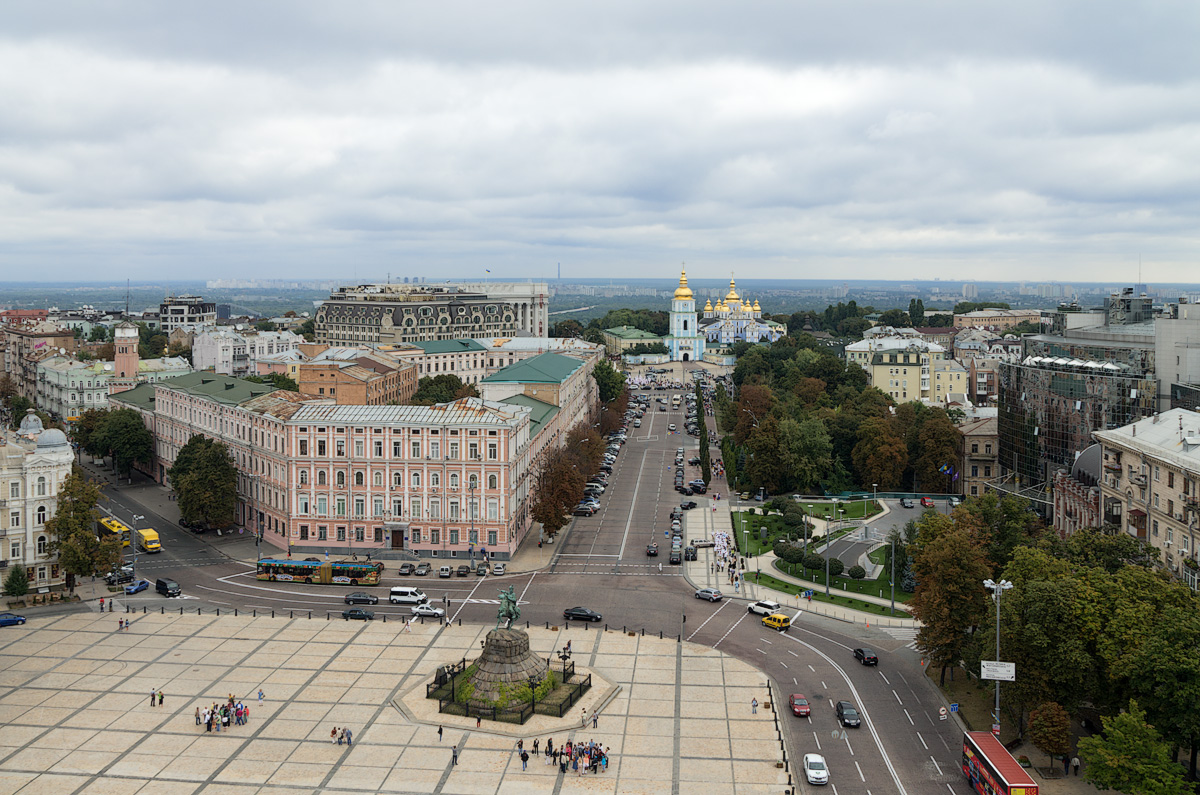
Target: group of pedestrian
{"points": [[122, 624], [344, 735], [156, 695], [219, 717]]}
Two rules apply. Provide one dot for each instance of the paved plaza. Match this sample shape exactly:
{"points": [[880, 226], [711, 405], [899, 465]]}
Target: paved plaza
{"points": [[76, 716]]}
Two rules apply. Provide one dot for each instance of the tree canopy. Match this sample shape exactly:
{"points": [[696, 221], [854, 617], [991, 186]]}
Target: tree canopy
{"points": [[205, 480]]}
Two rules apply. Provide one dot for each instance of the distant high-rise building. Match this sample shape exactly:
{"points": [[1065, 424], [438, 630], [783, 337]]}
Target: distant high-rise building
{"points": [[970, 291], [186, 310]]}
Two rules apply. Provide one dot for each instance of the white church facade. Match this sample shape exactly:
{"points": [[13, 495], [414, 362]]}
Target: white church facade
{"points": [[684, 341], [735, 319]]}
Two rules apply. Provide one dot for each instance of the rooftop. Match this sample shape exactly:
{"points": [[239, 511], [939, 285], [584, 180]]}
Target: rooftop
{"points": [[465, 411], [449, 346], [546, 368], [221, 388], [1173, 435], [540, 413], [631, 333]]}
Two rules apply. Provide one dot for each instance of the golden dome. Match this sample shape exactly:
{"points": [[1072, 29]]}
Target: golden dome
{"points": [[757, 308], [732, 294], [708, 305], [683, 292]]}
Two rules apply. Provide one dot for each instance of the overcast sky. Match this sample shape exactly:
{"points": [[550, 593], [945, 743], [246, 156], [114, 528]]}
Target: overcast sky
{"points": [[1017, 140]]}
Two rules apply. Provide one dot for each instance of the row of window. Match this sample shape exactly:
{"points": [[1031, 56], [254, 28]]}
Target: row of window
{"points": [[321, 449], [305, 505], [435, 479]]}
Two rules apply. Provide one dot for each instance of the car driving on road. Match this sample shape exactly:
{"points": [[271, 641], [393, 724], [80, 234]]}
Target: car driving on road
{"points": [[137, 587], [11, 619], [652, 550], [847, 715], [815, 770], [866, 657], [358, 614], [711, 594], [905, 502], [360, 598], [765, 608], [581, 614], [799, 705], [427, 610]]}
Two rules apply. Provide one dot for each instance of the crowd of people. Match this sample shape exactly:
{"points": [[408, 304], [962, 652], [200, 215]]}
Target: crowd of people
{"points": [[219, 717], [578, 757]]}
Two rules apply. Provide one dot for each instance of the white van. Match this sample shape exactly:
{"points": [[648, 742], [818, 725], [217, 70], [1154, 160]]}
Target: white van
{"points": [[407, 595], [444, 572]]}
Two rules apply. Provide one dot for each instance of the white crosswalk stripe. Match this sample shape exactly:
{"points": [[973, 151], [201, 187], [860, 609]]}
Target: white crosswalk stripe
{"points": [[901, 633]]}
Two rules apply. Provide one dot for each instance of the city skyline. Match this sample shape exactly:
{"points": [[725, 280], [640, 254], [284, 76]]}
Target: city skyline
{"points": [[990, 142]]}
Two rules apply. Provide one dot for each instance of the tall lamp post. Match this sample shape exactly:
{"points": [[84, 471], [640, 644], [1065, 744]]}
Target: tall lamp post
{"points": [[136, 518], [997, 588]]}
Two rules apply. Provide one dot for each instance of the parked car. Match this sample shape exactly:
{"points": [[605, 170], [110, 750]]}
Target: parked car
{"points": [[11, 619], [866, 657], [463, 570], [358, 614], [847, 715], [361, 598], [422, 569], [583, 510], [955, 502], [123, 574], [687, 505], [481, 570], [675, 558], [765, 608], [711, 594], [815, 770], [905, 502], [497, 569], [137, 587], [926, 502], [652, 550], [427, 610], [581, 614], [444, 572], [799, 705], [405, 569]]}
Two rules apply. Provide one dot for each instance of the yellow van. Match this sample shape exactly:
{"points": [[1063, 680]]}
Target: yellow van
{"points": [[777, 621]]}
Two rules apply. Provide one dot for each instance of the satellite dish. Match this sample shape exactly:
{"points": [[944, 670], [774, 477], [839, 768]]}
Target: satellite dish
{"points": [[62, 351]]}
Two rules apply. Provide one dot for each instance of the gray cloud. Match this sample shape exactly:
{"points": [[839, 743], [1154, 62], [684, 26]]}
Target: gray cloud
{"points": [[815, 139]]}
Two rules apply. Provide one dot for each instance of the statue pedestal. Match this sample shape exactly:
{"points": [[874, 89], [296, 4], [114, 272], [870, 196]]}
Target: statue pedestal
{"points": [[506, 660]]}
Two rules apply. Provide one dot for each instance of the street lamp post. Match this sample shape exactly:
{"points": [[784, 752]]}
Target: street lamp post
{"points": [[997, 588], [133, 541], [893, 561], [874, 497]]}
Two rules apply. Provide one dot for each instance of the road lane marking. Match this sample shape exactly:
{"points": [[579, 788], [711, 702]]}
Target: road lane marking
{"points": [[897, 695], [824, 687], [935, 764], [846, 737], [710, 618], [884, 677], [814, 670], [817, 740], [865, 716], [629, 520], [731, 629], [860, 773], [922, 739], [784, 665], [910, 720], [789, 651]]}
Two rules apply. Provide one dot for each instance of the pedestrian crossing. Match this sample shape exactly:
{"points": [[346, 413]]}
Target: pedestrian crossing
{"points": [[903, 633]]}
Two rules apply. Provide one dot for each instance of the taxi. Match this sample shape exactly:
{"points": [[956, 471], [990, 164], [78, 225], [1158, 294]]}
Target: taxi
{"points": [[777, 621]]}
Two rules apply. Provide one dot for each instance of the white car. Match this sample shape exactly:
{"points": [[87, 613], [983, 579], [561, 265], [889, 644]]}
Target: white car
{"points": [[815, 770], [428, 611], [765, 608], [671, 427], [497, 569]]}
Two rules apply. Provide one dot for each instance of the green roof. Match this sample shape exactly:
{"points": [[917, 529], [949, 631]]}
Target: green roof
{"points": [[546, 368], [541, 412], [221, 388], [631, 333], [140, 397], [450, 346]]}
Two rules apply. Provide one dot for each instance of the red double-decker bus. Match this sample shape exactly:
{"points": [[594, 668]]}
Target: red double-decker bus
{"points": [[991, 769]]}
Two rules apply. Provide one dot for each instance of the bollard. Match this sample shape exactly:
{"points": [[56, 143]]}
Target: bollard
{"points": [[643, 632], [290, 614], [460, 622], [272, 612], [235, 612], [181, 611], [606, 627], [385, 618], [660, 634], [310, 614], [326, 615], [197, 611], [218, 611], [526, 625], [162, 610], [679, 639], [547, 625], [143, 610]]}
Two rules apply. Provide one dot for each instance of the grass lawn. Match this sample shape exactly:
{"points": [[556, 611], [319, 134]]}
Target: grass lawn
{"points": [[855, 509], [842, 601], [877, 588], [975, 703]]}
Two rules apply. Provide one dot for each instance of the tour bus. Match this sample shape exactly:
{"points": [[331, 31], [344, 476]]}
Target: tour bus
{"points": [[341, 572], [991, 769], [110, 527]]}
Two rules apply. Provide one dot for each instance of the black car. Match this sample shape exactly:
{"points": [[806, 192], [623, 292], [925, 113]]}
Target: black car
{"points": [[699, 490], [121, 575], [652, 550], [694, 461], [675, 558], [866, 657], [358, 614], [689, 553], [687, 505], [905, 502], [405, 569], [847, 715], [581, 614], [360, 598], [464, 570]]}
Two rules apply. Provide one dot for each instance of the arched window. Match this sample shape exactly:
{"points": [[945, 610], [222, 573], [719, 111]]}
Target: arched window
{"points": [[454, 480], [378, 479], [472, 481], [397, 479], [341, 479], [41, 487], [416, 480], [358, 479], [435, 479], [491, 481], [40, 517], [321, 477], [303, 477], [41, 545]]}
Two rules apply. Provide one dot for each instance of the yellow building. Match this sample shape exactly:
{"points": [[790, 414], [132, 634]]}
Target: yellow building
{"points": [[909, 369]]}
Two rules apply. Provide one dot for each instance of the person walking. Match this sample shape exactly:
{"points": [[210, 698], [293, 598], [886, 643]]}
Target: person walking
{"points": [[197, 716], [260, 696], [1075, 764], [536, 740], [153, 692], [754, 706], [524, 761], [160, 698], [333, 735], [454, 754], [439, 734], [341, 736], [595, 720], [349, 738]]}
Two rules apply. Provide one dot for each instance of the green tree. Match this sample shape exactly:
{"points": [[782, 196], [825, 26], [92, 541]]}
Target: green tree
{"points": [[1089, 547], [836, 567], [559, 484], [567, 328], [17, 582], [881, 455], [1130, 756], [856, 572], [125, 437], [937, 441], [278, 380], [1050, 730], [18, 407], [308, 329], [265, 325], [949, 598], [1008, 521], [436, 389], [99, 334], [205, 481], [916, 312], [609, 381], [895, 318], [72, 531], [87, 430]]}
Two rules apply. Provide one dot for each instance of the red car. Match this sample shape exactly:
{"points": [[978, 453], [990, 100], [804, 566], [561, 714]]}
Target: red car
{"points": [[926, 502], [799, 705]]}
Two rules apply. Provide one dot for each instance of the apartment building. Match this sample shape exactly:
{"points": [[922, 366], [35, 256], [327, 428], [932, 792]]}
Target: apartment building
{"points": [[908, 368], [356, 377], [236, 352], [28, 345], [186, 310], [34, 462], [997, 319], [1150, 486], [979, 455]]}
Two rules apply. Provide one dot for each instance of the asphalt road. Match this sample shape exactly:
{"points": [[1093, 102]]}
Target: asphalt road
{"points": [[601, 563]]}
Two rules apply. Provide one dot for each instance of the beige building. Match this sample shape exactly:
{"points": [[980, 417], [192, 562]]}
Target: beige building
{"points": [[997, 319], [1150, 486], [908, 368], [28, 345], [979, 455]]}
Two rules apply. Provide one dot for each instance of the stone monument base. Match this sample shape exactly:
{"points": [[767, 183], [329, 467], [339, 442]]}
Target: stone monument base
{"points": [[506, 660]]}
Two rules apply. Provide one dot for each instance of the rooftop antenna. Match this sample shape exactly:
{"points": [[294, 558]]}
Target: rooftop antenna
{"points": [[127, 298]]}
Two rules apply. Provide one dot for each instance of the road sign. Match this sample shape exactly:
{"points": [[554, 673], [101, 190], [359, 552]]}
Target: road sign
{"points": [[941, 713], [954, 707], [807, 594], [1003, 671], [996, 729]]}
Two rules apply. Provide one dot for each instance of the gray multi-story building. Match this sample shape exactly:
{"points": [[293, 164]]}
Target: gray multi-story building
{"points": [[186, 310], [385, 314]]}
